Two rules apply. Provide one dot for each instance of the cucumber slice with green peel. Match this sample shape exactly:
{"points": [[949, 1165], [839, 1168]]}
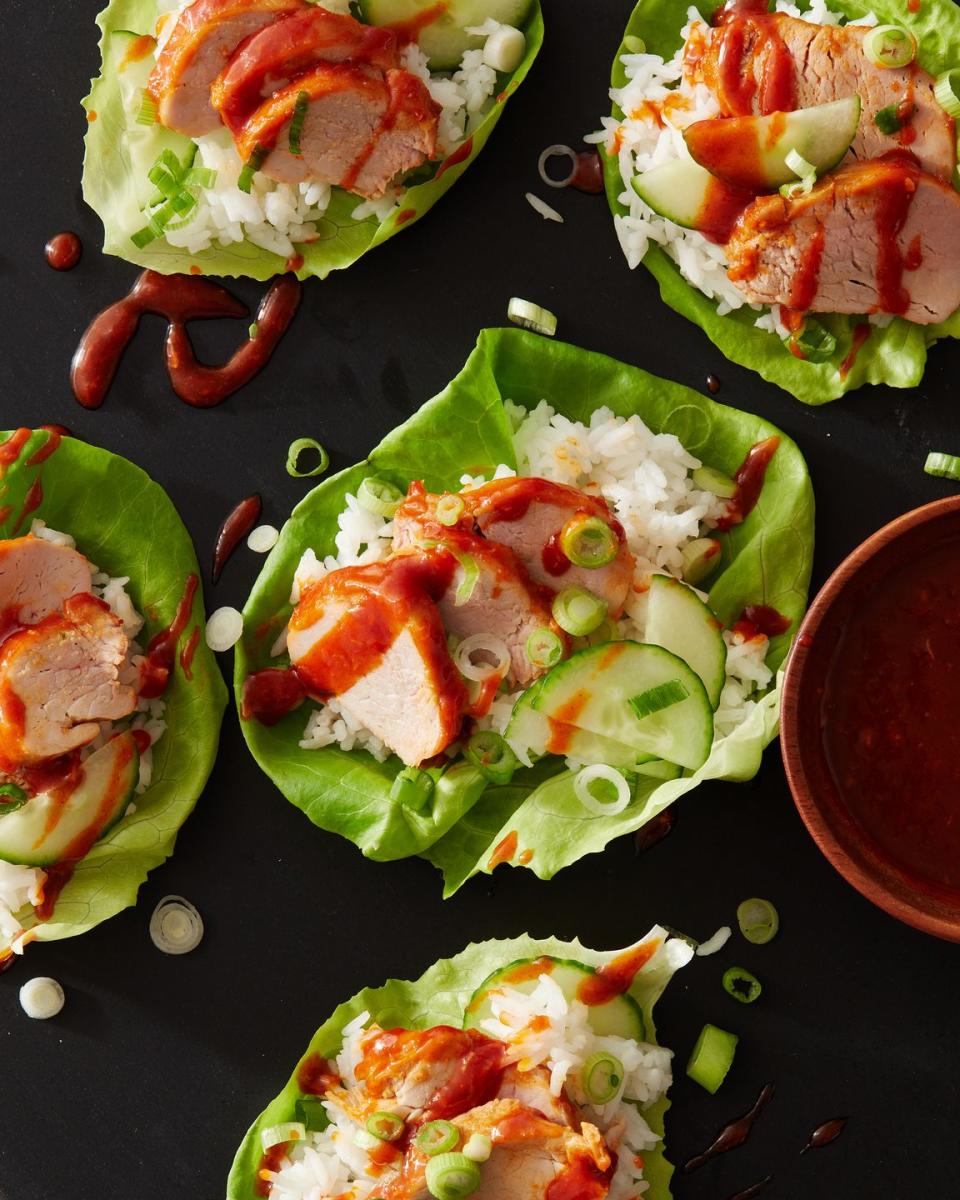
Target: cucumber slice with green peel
{"points": [[532, 732], [678, 190], [678, 620], [751, 152], [603, 689], [443, 37], [619, 1017], [48, 829], [656, 768]]}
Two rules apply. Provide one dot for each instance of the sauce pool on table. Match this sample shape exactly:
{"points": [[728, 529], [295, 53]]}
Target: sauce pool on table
{"points": [[63, 251], [890, 716]]}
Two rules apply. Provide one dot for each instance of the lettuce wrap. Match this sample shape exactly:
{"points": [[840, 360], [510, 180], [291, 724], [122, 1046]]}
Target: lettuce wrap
{"points": [[119, 152], [765, 560], [124, 523], [896, 354], [440, 997]]}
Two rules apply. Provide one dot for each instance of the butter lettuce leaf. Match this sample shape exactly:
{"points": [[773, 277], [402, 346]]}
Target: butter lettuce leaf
{"points": [[440, 997], [895, 355], [119, 152], [126, 525], [766, 560]]}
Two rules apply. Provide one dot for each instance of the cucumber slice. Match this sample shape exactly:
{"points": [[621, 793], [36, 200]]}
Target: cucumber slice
{"points": [[678, 620], [600, 683], [751, 152], [619, 1017], [48, 829], [444, 39], [678, 190], [531, 732]]}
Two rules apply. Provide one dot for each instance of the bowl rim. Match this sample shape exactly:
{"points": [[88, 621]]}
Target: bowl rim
{"points": [[869, 884]]}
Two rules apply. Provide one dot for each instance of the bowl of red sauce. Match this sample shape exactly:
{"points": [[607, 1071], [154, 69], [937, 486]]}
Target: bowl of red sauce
{"points": [[870, 725]]}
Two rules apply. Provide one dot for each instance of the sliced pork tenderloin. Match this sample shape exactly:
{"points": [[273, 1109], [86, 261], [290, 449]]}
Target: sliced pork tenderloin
{"points": [[36, 576]]}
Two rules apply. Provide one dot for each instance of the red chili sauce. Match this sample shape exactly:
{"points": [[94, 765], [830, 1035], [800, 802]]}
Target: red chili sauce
{"points": [[752, 70], [155, 672], [891, 715], [63, 251], [615, 977], [749, 479], [236, 525]]}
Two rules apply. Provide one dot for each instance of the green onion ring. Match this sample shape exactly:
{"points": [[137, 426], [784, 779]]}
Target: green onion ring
{"points": [[452, 1177], [438, 1137], [578, 612], [387, 1126], [601, 1077], [945, 466], [299, 447], [450, 509], [758, 920], [741, 985], [378, 496], [412, 788], [947, 91], [589, 542], [890, 46], [544, 648], [491, 755]]}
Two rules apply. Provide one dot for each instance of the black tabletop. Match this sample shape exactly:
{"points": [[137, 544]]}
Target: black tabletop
{"points": [[145, 1084]]}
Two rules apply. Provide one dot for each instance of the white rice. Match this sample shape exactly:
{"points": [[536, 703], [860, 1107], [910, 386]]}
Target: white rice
{"points": [[280, 217], [662, 91], [331, 1163], [644, 476], [20, 887]]}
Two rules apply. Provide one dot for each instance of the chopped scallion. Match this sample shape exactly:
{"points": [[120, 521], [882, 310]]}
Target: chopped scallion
{"points": [[438, 1137], [887, 120], [588, 541], [449, 509], [578, 612], [11, 798], [601, 1077], [700, 558], [296, 123], [412, 788], [387, 1126], [584, 788], [634, 45], [714, 482], [947, 91], [379, 497], [143, 237], [452, 1177], [492, 756], [655, 699], [277, 1135], [253, 331], [147, 112], [544, 648], [200, 177], [251, 167], [301, 446], [741, 985], [890, 46], [471, 576], [712, 1057], [531, 316], [758, 920], [946, 466], [815, 343]]}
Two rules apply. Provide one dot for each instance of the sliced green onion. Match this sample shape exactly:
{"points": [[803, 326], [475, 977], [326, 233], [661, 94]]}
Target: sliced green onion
{"points": [[479, 1147], [890, 46], [253, 331], [201, 177], [758, 920], [11, 798], [492, 756], [544, 648], [450, 509], [742, 985], [143, 237], [714, 482], [588, 541], [412, 788], [471, 576], [296, 124], [700, 558], [163, 180], [276, 1135], [656, 699], [300, 446], [792, 190], [438, 1137], [251, 167], [147, 112], [888, 119], [182, 203], [585, 791], [386, 1126], [176, 926], [41, 998], [452, 1177], [634, 45], [601, 1077], [712, 1057], [379, 497], [947, 91], [531, 316], [815, 342], [799, 165], [487, 644], [578, 612], [947, 466]]}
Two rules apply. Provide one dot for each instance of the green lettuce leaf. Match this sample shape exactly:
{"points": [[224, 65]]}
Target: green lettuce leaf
{"points": [[895, 355], [766, 560], [119, 152], [125, 524], [440, 997]]}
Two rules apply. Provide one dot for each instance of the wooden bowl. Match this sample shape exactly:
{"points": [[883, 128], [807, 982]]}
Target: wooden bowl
{"points": [[924, 904]]}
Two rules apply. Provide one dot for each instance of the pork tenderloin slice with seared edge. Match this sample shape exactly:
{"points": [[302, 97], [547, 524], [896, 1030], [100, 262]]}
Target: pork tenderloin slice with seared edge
{"points": [[36, 576], [203, 40], [274, 57], [879, 236], [815, 64]]}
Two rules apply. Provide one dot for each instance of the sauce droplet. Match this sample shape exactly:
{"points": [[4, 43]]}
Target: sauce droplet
{"points": [[236, 525], [824, 1134], [655, 830], [713, 384], [733, 1135], [588, 175], [754, 1190], [63, 251]]}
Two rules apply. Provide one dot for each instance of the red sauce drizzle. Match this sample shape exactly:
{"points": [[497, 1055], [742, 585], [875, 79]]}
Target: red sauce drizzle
{"points": [[316, 1076], [461, 154], [759, 619], [187, 653], [163, 645], [755, 70], [407, 215], [235, 527], [504, 851], [293, 263], [527, 971], [895, 192], [581, 1180], [615, 977], [803, 286], [588, 176], [63, 251], [57, 433], [271, 1160], [31, 502], [749, 480], [10, 449], [180, 298], [860, 335], [722, 207], [753, 1190], [733, 1135], [655, 830], [270, 694], [824, 1134], [555, 562]]}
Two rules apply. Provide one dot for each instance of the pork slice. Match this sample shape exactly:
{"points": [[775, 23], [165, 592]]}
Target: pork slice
{"points": [[205, 36], [437, 1071], [528, 514], [871, 237], [829, 64], [36, 576], [407, 137], [532, 1089], [59, 679], [274, 57]]}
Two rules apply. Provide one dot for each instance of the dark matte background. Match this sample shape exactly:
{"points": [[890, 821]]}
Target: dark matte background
{"points": [[144, 1086]]}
